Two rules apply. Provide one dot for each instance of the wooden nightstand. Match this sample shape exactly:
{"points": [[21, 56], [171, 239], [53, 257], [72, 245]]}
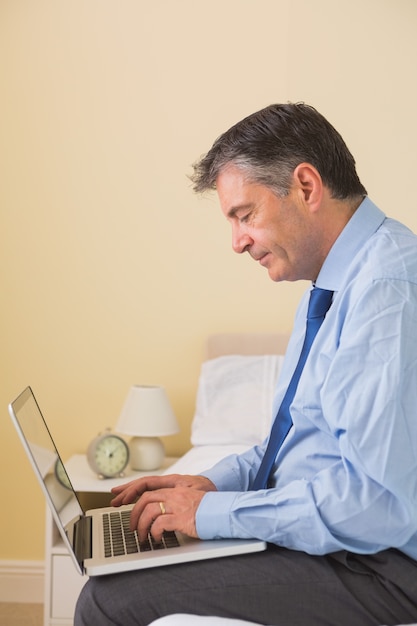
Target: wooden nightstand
{"points": [[62, 582]]}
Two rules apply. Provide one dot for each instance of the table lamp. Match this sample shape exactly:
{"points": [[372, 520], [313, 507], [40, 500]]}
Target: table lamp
{"points": [[146, 415]]}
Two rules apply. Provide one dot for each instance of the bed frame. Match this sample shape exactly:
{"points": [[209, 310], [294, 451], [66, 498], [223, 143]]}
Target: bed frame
{"points": [[246, 343]]}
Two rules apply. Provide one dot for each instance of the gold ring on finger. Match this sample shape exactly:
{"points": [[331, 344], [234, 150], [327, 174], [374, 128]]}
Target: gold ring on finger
{"points": [[162, 507]]}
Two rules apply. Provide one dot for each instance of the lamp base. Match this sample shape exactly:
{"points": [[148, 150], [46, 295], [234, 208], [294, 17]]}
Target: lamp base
{"points": [[146, 453]]}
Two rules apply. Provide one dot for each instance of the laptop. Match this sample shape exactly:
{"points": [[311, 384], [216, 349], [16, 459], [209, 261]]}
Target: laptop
{"points": [[99, 540]]}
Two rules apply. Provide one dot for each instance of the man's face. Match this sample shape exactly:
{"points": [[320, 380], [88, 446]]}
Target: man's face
{"points": [[277, 232]]}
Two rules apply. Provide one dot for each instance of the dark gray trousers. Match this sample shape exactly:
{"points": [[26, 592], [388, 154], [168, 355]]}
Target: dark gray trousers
{"points": [[278, 586]]}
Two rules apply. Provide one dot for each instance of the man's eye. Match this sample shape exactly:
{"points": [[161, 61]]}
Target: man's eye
{"points": [[244, 218]]}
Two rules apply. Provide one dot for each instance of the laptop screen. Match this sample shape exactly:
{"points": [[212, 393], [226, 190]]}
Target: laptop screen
{"points": [[46, 461]]}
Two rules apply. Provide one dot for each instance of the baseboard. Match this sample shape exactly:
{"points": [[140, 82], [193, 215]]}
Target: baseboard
{"points": [[22, 581]]}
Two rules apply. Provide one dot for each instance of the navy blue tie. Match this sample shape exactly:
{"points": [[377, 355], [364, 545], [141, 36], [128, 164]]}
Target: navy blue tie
{"points": [[320, 300]]}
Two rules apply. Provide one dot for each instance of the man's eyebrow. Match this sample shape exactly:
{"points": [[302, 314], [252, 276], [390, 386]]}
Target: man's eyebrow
{"points": [[239, 207]]}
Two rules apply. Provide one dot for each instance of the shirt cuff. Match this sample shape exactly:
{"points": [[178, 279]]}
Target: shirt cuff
{"points": [[213, 515]]}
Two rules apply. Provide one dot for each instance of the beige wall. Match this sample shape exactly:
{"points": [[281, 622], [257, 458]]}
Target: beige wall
{"points": [[112, 271]]}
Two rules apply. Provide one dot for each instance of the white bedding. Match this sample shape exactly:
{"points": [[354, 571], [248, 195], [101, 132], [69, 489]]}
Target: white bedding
{"points": [[200, 458], [233, 409], [181, 619], [234, 400]]}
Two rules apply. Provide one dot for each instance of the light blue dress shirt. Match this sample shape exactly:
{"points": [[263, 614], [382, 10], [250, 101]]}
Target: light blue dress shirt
{"points": [[346, 476]]}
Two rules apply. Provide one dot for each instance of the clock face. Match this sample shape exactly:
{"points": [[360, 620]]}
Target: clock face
{"points": [[108, 455]]}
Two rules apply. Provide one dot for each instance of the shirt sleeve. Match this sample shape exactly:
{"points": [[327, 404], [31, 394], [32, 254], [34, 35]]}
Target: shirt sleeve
{"points": [[363, 498], [237, 471]]}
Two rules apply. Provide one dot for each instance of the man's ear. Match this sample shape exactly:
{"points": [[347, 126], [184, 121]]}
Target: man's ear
{"points": [[309, 184]]}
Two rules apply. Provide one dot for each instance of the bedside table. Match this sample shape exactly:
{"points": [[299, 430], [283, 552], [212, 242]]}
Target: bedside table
{"points": [[62, 582]]}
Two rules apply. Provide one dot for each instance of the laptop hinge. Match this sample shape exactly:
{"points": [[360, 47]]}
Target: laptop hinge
{"points": [[82, 541]]}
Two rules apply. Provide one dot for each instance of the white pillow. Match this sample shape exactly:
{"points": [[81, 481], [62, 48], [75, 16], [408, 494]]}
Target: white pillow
{"points": [[234, 400]]}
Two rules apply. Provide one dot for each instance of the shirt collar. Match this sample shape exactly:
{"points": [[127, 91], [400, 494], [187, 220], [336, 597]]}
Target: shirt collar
{"points": [[362, 225]]}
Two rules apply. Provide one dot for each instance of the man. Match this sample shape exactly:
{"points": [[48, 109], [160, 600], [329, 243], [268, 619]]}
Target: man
{"points": [[338, 502]]}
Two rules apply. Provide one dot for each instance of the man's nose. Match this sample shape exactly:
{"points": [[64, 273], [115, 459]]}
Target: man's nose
{"points": [[241, 241]]}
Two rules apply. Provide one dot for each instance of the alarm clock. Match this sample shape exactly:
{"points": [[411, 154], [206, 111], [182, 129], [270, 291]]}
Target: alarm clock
{"points": [[61, 475], [108, 455]]}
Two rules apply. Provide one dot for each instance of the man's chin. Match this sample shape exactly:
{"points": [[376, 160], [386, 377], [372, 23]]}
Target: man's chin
{"points": [[277, 271], [280, 274], [276, 276]]}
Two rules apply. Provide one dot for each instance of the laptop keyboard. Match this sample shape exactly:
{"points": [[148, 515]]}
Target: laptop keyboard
{"points": [[120, 540]]}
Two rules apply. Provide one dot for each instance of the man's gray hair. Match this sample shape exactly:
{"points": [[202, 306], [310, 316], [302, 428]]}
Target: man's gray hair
{"points": [[268, 145]]}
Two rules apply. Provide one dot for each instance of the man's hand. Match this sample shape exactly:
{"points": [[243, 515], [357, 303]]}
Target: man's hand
{"points": [[163, 503]]}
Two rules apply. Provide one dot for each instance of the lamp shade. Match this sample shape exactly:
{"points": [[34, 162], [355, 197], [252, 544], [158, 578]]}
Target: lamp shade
{"points": [[147, 413]]}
